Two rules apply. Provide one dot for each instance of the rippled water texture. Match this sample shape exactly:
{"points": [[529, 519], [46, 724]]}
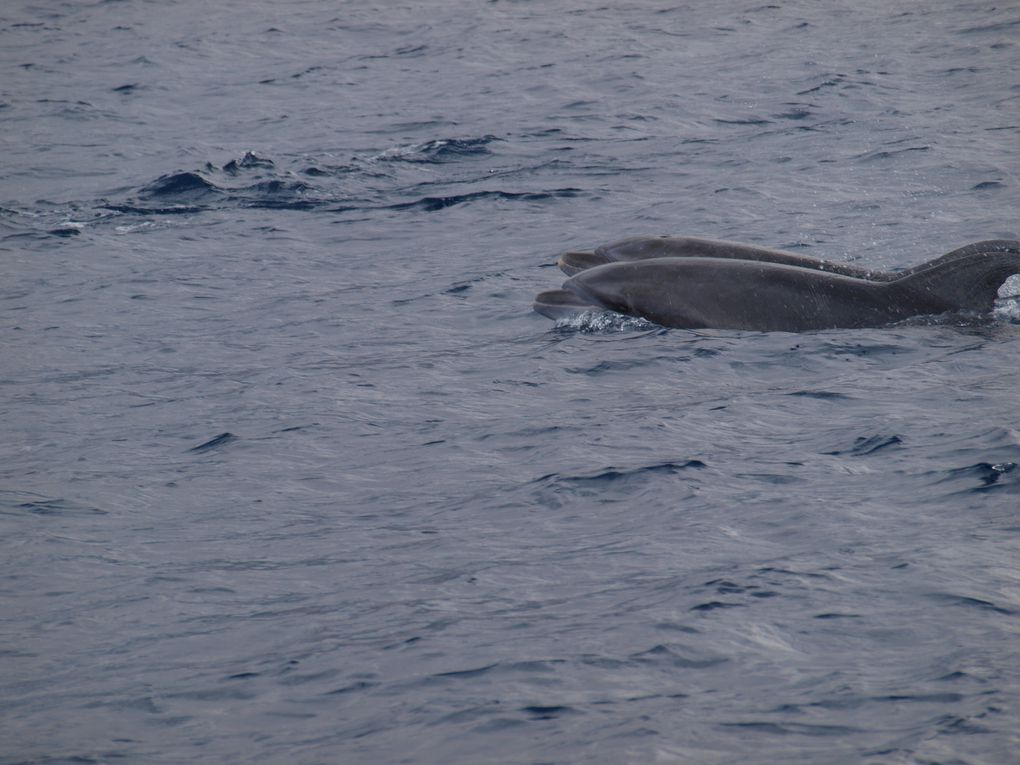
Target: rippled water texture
{"points": [[291, 472]]}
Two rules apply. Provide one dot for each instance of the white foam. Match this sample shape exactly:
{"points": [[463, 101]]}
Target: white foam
{"points": [[1010, 287], [1007, 306], [603, 321], [130, 228]]}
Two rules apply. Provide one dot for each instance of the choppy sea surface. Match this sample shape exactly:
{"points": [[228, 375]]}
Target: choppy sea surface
{"points": [[291, 472]]}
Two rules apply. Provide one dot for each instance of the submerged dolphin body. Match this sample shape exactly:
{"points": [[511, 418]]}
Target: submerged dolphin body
{"points": [[702, 283]]}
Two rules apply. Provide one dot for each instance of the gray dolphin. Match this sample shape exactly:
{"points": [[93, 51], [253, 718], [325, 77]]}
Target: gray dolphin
{"points": [[648, 247], [701, 283]]}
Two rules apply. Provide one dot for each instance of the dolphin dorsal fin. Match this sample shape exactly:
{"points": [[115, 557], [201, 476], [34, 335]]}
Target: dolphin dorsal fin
{"points": [[966, 279]]}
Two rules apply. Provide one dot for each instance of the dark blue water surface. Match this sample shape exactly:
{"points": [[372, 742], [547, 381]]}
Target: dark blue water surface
{"points": [[292, 473]]}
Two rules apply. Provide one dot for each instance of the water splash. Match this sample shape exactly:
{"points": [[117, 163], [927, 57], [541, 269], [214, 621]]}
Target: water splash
{"points": [[603, 321], [439, 150], [1007, 305]]}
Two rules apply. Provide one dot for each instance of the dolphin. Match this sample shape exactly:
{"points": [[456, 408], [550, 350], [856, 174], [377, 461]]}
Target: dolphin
{"points": [[703, 283], [648, 247]]}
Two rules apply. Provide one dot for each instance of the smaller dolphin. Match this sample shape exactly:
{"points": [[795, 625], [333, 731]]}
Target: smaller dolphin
{"points": [[703, 283]]}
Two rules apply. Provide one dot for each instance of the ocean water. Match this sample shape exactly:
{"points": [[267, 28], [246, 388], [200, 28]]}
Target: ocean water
{"points": [[291, 472]]}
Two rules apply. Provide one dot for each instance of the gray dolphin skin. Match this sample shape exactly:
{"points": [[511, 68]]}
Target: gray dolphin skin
{"points": [[703, 283]]}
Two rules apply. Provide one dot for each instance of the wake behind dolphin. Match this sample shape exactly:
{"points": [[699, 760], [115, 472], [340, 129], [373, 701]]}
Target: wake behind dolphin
{"points": [[703, 283]]}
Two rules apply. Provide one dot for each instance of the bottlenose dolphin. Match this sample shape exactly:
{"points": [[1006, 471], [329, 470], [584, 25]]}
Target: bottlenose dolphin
{"points": [[648, 247], [701, 283]]}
